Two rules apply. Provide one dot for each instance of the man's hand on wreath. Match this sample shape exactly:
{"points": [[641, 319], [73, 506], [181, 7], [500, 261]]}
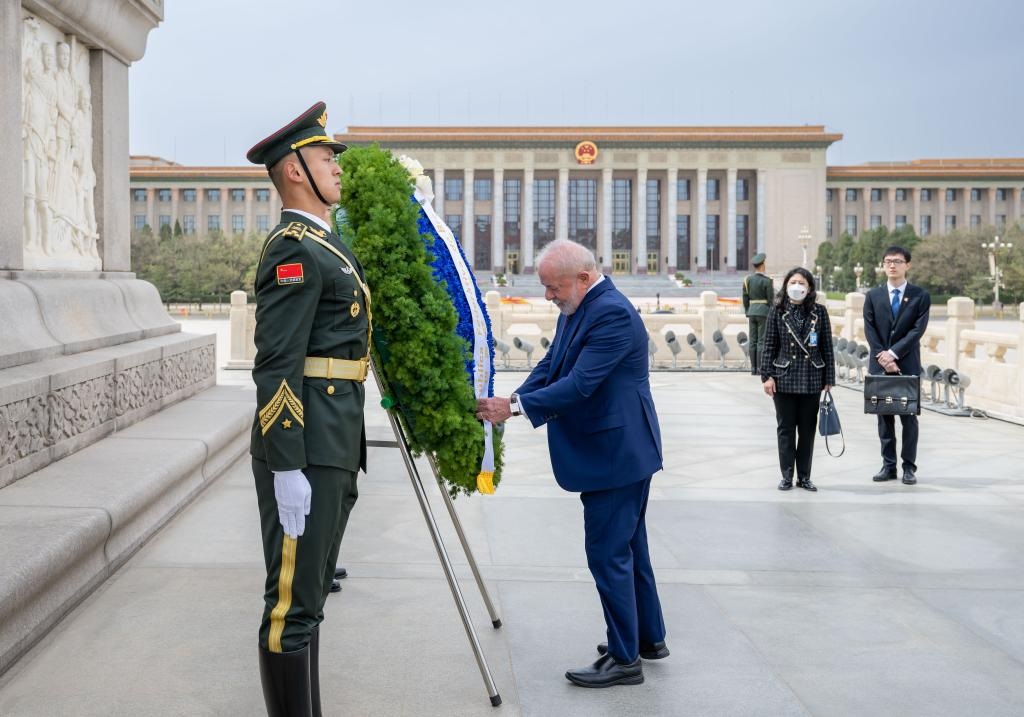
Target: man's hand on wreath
{"points": [[495, 410]]}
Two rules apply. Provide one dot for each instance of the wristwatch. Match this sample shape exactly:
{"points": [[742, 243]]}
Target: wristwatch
{"points": [[513, 405]]}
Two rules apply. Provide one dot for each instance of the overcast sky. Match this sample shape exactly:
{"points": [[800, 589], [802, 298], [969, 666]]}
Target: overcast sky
{"points": [[900, 79]]}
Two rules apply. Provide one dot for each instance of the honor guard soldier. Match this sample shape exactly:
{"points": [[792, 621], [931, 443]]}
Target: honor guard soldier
{"points": [[308, 440], [758, 292]]}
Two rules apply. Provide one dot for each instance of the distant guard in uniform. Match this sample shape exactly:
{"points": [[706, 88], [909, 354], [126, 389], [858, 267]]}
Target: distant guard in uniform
{"points": [[308, 439], [758, 292]]}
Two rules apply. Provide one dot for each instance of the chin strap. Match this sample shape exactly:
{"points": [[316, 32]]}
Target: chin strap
{"points": [[316, 189]]}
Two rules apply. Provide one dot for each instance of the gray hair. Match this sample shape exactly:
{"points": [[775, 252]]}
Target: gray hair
{"points": [[567, 257]]}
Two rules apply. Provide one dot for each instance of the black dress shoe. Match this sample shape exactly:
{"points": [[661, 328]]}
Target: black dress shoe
{"points": [[652, 651], [786, 483], [908, 476], [806, 484], [884, 474], [340, 573], [607, 672], [335, 586]]}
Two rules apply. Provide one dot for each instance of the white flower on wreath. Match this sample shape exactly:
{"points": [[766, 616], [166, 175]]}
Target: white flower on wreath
{"points": [[424, 187]]}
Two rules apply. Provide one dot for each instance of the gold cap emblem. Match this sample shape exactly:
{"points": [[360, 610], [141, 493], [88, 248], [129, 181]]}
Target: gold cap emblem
{"points": [[322, 120]]}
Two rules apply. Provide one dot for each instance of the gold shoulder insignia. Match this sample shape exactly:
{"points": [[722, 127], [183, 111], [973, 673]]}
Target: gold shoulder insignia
{"points": [[284, 397], [296, 230], [316, 232]]}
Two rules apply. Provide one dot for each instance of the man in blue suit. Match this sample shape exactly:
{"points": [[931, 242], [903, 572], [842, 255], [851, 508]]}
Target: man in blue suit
{"points": [[895, 319], [592, 391]]}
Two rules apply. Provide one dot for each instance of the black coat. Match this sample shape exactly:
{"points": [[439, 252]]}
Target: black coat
{"points": [[785, 361], [902, 336]]}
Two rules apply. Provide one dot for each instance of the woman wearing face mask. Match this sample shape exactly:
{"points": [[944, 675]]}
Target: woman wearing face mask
{"points": [[796, 367]]}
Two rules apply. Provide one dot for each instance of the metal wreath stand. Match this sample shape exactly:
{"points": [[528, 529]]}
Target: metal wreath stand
{"points": [[401, 442]]}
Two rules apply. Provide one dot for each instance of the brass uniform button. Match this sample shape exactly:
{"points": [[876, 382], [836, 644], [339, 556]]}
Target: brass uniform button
{"points": [[330, 390]]}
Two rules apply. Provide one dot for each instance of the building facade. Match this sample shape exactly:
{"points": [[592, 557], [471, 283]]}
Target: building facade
{"points": [[644, 199]]}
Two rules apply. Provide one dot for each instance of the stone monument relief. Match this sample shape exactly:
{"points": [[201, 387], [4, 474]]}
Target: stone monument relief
{"points": [[60, 217]]}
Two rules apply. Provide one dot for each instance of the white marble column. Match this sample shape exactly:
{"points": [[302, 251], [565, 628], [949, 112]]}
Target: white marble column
{"points": [[1015, 203], [730, 221], [250, 210], [468, 218], [151, 209], [760, 210], [526, 228], [439, 192], [891, 214], [916, 197], [702, 217], [498, 222], [671, 226], [940, 227], [607, 204], [640, 235], [175, 194], [562, 210], [201, 210], [12, 181], [865, 204], [108, 80], [990, 210], [966, 204], [841, 208], [225, 217]]}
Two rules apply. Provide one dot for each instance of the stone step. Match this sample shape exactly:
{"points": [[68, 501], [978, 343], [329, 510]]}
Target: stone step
{"points": [[69, 526]]}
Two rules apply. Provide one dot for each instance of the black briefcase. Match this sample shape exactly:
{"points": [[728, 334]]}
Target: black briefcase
{"points": [[892, 394]]}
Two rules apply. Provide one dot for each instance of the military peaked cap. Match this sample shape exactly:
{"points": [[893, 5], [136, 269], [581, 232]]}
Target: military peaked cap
{"points": [[758, 259], [307, 130]]}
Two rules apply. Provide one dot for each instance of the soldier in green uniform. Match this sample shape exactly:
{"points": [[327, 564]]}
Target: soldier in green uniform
{"points": [[758, 292], [308, 439]]}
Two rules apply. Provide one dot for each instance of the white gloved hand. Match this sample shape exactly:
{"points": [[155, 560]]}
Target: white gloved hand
{"points": [[293, 494]]}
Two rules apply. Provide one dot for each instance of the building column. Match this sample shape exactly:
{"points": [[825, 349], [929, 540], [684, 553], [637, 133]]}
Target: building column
{"points": [[916, 196], [439, 192], [468, 218], [526, 229], [702, 217], [175, 194], [562, 210], [108, 78], [12, 181], [1015, 204], [760, 210], [841, 208], [151, 209], [607, 204], [941, 228], [672, 225], [890, 197], [250, 210], [498, 222], [201, 210], [965, 201], [991, 209], [730, 217], [225, 218], [866, 207], [640, 237]]}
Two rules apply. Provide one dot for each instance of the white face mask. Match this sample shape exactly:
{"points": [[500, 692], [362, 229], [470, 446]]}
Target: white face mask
{"points": [[796, 292]]}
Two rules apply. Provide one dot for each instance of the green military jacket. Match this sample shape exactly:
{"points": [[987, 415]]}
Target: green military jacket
{"points": [[758, 294], [310, 301]]}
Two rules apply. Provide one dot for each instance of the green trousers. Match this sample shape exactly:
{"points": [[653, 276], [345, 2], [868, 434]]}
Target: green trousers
{"points": [[755, 325], [300, 570]]}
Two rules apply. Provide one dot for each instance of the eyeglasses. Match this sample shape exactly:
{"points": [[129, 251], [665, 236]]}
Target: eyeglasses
{"points": [[893, 262]]}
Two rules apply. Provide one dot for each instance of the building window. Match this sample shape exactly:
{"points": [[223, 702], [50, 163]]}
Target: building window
{"points": [[926, 195], [1000, 195], [139, 221], [742, 240], [901, 195], [683, 241], [138, 195], [951, 222], [975, 221], [851, 224], [622, 214], [237, 223], [237, 195], [262, 223], [188, 195], [950, 195], [188, 224], [213, 223], [711, 235], [742, 190], [926, 224], [975, 195], [1001, 221], [262, 195], [653, 214], [712, 190], [163, 195], [828, 195], [164, 221], [213, 195], [511, 198], [828, 226], [876, 221], [482, 243], [454, 221], [682, 190], [851, 195], [583, 211], [453, 189], [876, 195], [901, 221], [482, 190], [543, 212]]}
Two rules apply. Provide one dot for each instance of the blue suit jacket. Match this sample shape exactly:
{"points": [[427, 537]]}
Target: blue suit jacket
{"points": [[592, 390], [902, 336]]}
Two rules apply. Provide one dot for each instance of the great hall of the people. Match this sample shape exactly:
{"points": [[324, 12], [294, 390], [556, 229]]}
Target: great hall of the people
{"points": [[645, 199]]}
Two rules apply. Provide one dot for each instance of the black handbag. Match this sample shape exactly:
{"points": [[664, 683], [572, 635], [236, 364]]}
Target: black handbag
{"points": [[828, 422], [892, 394]]}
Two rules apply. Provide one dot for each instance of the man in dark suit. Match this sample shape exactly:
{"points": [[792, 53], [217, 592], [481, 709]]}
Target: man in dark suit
{"points": [[895, 318], [592, 391]]}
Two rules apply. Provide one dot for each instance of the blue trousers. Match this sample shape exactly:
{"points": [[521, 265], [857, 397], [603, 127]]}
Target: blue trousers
{"points": [[616, 540]]}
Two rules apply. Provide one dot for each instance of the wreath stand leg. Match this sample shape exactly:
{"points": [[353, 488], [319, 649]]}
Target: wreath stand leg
{"points": [[402, 444]]}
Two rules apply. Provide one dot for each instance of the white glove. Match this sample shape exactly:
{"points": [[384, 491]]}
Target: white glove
{"points": [[293, 494]]}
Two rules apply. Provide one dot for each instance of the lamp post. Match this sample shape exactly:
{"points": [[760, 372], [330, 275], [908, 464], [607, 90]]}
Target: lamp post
{"points": [[993, 268], [805, 241], [858, 269]]}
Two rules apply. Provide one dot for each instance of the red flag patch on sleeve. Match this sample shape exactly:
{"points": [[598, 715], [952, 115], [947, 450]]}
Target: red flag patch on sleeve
{"points": [[289, 274]]}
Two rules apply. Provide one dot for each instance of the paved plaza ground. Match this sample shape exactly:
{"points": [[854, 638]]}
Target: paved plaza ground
{"points": [[861, 599]]}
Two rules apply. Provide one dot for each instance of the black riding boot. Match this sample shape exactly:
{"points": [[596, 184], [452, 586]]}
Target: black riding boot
{"points": [[314, 671], [754, 369], [285, 678]]}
